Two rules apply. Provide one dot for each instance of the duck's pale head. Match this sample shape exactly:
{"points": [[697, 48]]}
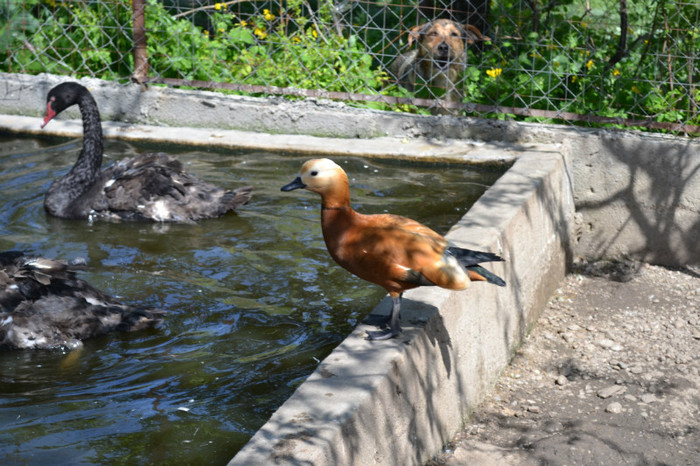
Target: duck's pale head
{"points": [[320, 176]]}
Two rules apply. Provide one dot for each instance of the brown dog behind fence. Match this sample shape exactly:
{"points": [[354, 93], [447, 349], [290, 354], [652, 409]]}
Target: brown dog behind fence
{"points": [[438, 59]]}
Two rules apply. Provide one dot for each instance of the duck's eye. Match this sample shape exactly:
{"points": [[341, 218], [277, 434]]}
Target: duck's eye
{"points": [[314, 173]]}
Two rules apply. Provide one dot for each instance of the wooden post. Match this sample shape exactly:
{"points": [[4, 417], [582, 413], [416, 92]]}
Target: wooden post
{"points": [[140, 54]]}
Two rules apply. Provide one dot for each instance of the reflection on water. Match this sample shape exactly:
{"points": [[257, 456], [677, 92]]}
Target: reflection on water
{"points": [[253, 303]]}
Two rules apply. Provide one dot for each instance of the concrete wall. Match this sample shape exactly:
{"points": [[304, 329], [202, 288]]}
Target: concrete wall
{"points": [[639, 197]]}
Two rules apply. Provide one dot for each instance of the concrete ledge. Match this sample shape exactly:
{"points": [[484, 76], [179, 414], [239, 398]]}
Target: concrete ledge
{"points": [[398, 402], [444, 150], [22, 94]]}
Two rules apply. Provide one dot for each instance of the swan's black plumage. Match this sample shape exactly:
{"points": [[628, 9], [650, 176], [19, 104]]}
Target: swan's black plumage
{"points": [[44, 305], [146, 187]]}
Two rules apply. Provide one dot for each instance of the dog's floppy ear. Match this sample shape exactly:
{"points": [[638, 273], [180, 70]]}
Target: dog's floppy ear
{"points": [[416, 33], [471, 34]]}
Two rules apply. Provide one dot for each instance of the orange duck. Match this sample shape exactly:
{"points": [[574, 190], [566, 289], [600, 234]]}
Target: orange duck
{"points": [[394, 252]]}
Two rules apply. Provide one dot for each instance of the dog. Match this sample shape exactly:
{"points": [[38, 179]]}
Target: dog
{"points": [[438, 59]]}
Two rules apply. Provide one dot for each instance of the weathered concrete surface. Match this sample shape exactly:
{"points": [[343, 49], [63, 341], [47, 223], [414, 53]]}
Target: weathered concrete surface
{"points": [[161, 106], [447, 150], [639, 196], [395, 402]]}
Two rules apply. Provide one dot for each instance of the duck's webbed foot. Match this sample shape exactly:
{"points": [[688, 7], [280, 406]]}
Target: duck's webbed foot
{"points": [[385, 334], [394, 329]]}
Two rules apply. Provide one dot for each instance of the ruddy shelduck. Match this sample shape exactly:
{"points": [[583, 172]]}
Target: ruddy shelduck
{"points": [[394, 252]]}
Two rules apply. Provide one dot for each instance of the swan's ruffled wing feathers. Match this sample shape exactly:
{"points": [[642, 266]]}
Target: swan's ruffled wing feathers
{"points": [[44, 305], [154, 186]]}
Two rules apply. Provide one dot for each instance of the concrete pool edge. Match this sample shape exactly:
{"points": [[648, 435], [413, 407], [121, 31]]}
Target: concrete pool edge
{"points": [[398, 402], [444, 150]]}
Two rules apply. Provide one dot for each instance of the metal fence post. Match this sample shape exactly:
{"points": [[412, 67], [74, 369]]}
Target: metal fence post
{"points": [[140, 55]]}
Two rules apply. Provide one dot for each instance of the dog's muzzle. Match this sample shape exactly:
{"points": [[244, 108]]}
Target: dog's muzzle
{"points": [[443, 54]]}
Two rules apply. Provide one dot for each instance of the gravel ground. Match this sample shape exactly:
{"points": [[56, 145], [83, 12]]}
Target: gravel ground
{"points": [[610, 375]]}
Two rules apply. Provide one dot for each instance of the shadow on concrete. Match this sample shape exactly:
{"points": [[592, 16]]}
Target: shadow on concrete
{"points": [[653, 199]]}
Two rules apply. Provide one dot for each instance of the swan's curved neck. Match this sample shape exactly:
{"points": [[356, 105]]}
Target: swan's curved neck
{"points": [[90, 158], [63, 193]]}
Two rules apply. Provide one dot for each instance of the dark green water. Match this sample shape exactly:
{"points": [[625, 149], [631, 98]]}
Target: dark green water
{"points": [[253, 304]]}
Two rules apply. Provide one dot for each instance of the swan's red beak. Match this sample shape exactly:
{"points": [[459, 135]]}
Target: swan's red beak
{"points": [[50, 113]]}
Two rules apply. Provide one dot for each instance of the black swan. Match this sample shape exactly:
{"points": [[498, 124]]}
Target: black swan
{"points": [[43, 305], [146, 187]]}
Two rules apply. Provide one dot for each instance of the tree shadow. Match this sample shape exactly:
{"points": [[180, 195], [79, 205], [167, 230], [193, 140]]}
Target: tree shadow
{"points": [[649, 199]]}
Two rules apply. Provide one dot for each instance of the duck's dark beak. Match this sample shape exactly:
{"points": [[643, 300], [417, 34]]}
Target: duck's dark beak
{"points": [[296, 184]]}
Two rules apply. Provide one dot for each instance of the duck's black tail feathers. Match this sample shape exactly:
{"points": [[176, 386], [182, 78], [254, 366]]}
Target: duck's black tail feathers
{"points": [[478, 273], [470, 260]]}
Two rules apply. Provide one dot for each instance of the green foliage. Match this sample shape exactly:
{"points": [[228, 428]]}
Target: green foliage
{"points": [[16, 22], [94, 39], [567, 64], [558, 57]]}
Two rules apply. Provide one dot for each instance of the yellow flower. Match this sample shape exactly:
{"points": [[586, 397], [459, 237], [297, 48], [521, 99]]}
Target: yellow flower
{"points": [[574, 78], [616, 73], [267, 15], [206, 33], [314, 33], [583, 24], [217, 6], [589, 64], [261, 33], [635, 89], [494, 72], [243, 24]]}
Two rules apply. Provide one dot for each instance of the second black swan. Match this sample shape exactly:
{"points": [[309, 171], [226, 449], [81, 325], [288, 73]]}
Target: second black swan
{"points": [[146, 187], [44, 305]]}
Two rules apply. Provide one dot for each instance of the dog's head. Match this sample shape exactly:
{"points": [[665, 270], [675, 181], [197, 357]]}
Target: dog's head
{"points": [[443, 40]]}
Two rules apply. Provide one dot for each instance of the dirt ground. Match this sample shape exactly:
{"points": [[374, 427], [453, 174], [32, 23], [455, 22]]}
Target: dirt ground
{"points": [[610, 375]]}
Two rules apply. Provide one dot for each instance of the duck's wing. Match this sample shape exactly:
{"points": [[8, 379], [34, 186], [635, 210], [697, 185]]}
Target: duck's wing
{"points": [[444, 267], [397, 253]]}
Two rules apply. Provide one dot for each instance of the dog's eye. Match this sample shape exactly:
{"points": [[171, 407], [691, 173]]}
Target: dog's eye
{"points": [[314, 173]]}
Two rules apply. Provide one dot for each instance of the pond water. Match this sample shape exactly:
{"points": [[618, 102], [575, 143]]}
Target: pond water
{"points": [[253, 303]]}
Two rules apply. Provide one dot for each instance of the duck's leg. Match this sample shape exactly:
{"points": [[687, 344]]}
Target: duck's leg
{"points": [[394, 327]]}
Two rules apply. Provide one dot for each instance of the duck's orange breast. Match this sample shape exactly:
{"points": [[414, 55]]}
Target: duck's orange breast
{"points": [[392, 251]]}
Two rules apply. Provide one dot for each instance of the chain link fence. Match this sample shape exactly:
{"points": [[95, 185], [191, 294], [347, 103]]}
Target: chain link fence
{"points": [[592, 62]]}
